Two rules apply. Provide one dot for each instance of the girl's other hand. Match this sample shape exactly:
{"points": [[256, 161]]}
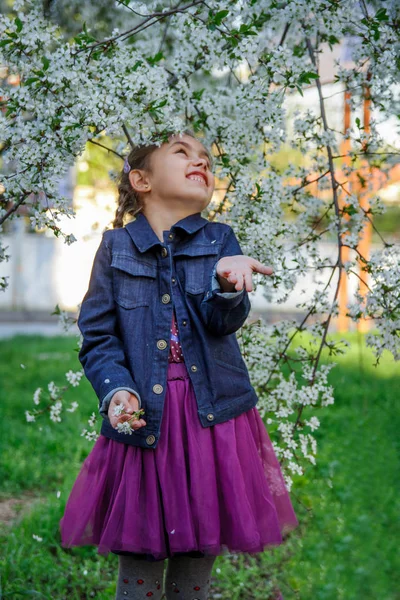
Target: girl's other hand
{"points": [[130, 403], [235, 271]]}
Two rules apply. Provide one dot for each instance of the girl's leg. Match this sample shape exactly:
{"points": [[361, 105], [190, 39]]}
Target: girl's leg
{"points": [[139, 579], [188, 578]]}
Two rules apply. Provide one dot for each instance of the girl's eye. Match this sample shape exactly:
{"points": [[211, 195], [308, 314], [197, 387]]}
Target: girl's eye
{"points": [[183, 150]]}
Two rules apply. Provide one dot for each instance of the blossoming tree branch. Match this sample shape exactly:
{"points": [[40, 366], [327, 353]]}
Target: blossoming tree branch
{"points": [[227, 70]]}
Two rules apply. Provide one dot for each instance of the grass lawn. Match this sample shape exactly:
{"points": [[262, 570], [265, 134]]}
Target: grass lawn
{"points": [[346, 547]]}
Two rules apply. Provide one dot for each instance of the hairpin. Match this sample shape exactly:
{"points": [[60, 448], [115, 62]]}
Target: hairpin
{"points": [[127, 166]]}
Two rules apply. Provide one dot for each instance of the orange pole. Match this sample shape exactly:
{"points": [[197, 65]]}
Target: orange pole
{"points": [[343, 320], [365, 239]]}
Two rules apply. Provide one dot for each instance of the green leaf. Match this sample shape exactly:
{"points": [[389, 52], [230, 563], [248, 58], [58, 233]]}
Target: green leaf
{"points": [[382, 15], [45, 62], [298, 50], [159, 105], [358, 122], [307, 77], [19, 24], [31, 80], [57, 310], [225, 160], [349, 210], [218, 18], [152, 60], [332, 39], [198, 94], [137, 65]]}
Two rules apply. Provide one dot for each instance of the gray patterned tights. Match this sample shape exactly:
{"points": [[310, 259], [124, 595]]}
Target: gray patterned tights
{"points": [[186, 578]]}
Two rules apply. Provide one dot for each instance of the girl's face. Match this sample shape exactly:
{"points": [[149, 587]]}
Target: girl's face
{"points": [[181, 175]]}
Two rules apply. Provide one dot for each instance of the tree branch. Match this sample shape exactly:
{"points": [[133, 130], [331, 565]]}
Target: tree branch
{"points": [[140, 27]]}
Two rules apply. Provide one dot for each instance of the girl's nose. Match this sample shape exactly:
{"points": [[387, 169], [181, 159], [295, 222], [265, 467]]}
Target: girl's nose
{"points": [[200, 161]]}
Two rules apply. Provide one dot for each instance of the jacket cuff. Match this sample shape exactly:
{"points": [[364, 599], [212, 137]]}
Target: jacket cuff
{"points": [[105, 404]]}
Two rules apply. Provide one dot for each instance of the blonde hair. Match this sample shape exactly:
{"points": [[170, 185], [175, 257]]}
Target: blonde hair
{"points": [[129, 201]]}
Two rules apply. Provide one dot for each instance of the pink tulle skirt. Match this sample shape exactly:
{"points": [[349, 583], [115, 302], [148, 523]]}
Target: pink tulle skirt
{"points": [[211, 491]]}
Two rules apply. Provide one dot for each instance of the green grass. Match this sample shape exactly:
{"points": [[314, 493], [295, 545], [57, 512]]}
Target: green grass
{"points": [[348, 504]]}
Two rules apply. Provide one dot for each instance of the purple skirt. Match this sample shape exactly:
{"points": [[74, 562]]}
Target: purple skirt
{"points": [[205, 491]]}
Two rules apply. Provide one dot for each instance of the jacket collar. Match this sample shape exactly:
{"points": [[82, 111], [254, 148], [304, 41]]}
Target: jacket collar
{"points": [[144, 236]]}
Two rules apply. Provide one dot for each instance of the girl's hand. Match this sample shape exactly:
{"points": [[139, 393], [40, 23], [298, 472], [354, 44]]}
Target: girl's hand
{"points": [[130, 403], [235, 271]]}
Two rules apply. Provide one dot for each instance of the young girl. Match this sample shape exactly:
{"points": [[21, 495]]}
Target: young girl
{"points": [[183, 468]]}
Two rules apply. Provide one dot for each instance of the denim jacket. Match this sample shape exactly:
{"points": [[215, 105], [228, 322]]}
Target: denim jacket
{"points": [[126, 313]]}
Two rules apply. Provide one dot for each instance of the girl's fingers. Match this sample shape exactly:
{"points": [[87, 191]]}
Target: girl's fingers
{"points": [[138, 424], [240, 282], [248, 281], [243, 279], [233, 277], [244, 262], [268, 270], [260, 268], [127, 406], [130, 405], [118, 402], [135, 424]]}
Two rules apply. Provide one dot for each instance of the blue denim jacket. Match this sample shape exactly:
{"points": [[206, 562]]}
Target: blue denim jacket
{"points": [[126, 315]]}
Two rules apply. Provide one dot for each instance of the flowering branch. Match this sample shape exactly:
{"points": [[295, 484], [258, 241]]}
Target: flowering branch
{"points": [[237, 85]]}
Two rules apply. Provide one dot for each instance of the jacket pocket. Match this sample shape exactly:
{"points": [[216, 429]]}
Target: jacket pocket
{"points": [[134, 281], [234, 381], [226, 352], [194, 266]]}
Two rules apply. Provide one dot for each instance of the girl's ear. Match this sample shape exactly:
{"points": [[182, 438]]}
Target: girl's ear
{"points": [[139, 181]]}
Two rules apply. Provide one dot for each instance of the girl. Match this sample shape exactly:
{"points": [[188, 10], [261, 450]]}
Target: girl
{"points": [[183, 468]]}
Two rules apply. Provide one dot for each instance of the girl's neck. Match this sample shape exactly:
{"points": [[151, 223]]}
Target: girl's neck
{"points": [[162, 220]]}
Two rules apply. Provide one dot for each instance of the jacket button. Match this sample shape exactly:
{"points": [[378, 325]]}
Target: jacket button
{"points": [[158, 389], [166, 298], [164, 252], [173, 279], [184, 322], [171, 236], [161, 344], [210, 417], [193, 368], [150, 439]]}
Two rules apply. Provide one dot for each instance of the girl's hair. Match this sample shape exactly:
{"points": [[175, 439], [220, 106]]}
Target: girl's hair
{"points": [[129, 201]]}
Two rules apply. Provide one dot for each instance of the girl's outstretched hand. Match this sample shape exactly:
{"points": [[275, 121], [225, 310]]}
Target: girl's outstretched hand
{"points": [[130, 403], [234, 272]]}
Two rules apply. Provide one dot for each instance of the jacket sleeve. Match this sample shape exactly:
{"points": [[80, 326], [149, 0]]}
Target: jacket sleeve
{"points": [[102, 354], [224, 312]]}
